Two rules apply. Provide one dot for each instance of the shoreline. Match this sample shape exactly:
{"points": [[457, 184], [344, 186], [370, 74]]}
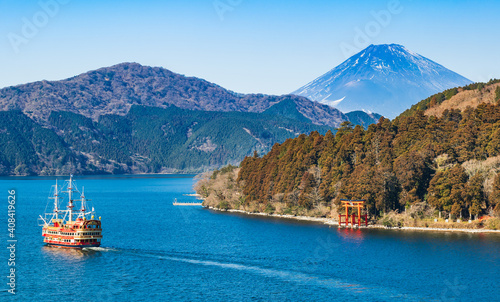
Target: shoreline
{"points": [[330, 221]]}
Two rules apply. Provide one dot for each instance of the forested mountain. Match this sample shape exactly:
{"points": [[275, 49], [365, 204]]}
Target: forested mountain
{"points": [[25, 145], [386, 79], [449, 163], [458, 98], [145, 140], [113, 90], [362, 118], [130, 118]]}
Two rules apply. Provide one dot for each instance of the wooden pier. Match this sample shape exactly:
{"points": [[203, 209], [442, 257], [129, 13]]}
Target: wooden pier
{"points": [[187, 203], [176, 203]]}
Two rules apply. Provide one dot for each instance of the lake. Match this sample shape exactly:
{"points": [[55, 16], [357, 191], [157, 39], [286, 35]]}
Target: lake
{"points": [[154, 251]]}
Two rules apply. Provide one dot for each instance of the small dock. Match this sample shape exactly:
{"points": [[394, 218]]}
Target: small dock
{"points": [[176, 203], [187, 203]]}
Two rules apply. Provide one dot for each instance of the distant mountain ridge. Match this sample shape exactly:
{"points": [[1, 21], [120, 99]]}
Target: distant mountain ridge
{"points": [[113, 90], [362, 118], [130, 118], [386, 79]]}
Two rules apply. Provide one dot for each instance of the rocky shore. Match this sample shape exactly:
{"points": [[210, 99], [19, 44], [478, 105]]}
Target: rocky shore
{"points": [[330, 221]]}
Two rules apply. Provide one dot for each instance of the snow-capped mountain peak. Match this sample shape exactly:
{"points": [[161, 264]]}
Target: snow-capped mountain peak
{"points": [[386, 79]]}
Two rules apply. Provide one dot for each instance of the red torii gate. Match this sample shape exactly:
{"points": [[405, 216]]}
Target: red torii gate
{"points": [[347, 203]]}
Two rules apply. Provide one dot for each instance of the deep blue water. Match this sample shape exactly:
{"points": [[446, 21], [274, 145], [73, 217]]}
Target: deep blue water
{"points": [[153, 251]]}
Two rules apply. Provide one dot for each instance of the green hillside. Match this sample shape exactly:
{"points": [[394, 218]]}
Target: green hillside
{"points": [[27, 148], [433, 167], [439, 98], [146, 140]]}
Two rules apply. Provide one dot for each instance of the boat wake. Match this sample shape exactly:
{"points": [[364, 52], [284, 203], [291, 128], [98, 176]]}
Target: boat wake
{"points": [[99, 249], [284, 275]]}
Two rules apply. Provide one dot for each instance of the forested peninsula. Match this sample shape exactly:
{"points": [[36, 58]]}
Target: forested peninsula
{"points": [[422, 169]]}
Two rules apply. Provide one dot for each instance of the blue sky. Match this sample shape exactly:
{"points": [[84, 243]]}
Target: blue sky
{"points": [[248, 46]]}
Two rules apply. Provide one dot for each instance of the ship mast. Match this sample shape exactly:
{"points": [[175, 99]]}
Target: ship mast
{"points": [[83, 202], [56, 200], [70, 203], [56, 195]]}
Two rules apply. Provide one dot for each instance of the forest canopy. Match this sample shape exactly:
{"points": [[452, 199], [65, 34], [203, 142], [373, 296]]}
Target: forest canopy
{"points": [[450, 163]]}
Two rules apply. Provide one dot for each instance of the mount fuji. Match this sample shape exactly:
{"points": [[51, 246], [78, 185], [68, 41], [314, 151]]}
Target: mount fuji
{"points": [[386, 79]]}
